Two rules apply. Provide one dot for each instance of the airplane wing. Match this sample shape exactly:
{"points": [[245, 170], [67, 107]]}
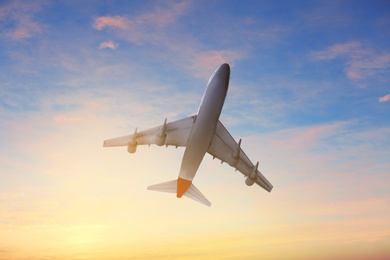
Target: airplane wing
{"points": [[223, 146], [177, 133]]}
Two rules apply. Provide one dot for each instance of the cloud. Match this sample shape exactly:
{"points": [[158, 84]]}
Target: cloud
{"points": [[163, 16], [19, 15], [159, 17], [145, 26], [385, 98], [350, 48], [368, 66], [308, 149], [155, 28], [109, 44], [64, 118], [203, 63], [110, 21], [361, 62]]}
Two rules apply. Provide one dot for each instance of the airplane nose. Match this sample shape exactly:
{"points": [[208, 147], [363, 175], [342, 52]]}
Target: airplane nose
{"points": [[222, 73], [224, 70]]}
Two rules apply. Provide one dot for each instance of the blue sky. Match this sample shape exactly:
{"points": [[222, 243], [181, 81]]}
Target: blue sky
{"points": [[309, 94]]}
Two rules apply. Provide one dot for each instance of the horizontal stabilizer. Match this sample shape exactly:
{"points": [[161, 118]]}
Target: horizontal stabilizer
{"points": [[171, 187], [194, 194]]}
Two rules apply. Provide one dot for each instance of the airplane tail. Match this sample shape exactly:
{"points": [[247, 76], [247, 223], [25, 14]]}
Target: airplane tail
{"points": [[171, 186]]}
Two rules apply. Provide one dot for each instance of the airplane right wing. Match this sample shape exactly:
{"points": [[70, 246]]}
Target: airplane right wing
{"points": [[224, 147], [175, 133]]}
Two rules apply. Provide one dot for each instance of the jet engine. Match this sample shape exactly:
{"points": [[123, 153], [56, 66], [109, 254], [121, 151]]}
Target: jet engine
{"points": [[249, 181], [132, 144], [132, 148], [236, 155], [161, 135], [252, 176]]}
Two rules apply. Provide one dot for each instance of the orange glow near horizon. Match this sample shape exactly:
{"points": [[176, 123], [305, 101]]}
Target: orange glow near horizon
{"points": [[308, 95]]}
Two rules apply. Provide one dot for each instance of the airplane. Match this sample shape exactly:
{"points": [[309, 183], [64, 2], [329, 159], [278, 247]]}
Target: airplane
{"points": [[199, 134]]}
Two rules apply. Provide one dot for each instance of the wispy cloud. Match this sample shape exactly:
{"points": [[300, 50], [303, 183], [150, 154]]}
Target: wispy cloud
{"points": [[110, 21], [145, 26], [341, 166], [19, 16], [351, 49], [109, 44], [64, 118], [206, 62], [156, 28], [360, 61], [385, 98], [309, 149], [163, 16]]}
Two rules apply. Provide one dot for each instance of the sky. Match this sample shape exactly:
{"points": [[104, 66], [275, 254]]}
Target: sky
{"points": [[309, 95]]}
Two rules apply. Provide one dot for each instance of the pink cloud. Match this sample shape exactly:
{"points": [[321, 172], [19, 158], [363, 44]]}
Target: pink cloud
{"points": [[146, 26], [109, 44], [361, 62], [385, 98], [63, 118], [110, 21], [26, 29], [337, 50], [20, 33], [206, 62], [353, 74], [21, 15], [367, 66], [162, 17], [151, 27]]}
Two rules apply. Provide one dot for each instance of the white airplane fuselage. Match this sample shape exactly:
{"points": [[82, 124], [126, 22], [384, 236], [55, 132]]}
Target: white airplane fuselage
{"points": [[199, 134], [204, 127]]}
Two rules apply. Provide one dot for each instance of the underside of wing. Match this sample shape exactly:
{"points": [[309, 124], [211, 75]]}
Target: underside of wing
{"points": [[175, 133], [224, 147]]}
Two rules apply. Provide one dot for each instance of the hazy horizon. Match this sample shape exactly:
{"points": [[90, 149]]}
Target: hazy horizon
{"points": [[309, 95]]}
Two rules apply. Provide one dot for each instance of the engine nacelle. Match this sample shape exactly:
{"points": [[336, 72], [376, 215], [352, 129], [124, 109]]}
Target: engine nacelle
{"points": [[160, 140], [132, 148], [161, 136], [252, 177], [249, 181], [132, 144], [236, 155]]}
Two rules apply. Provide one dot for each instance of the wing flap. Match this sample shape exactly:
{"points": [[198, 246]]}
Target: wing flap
{"points": [[177, 132], [222, 147], [117, 141]]}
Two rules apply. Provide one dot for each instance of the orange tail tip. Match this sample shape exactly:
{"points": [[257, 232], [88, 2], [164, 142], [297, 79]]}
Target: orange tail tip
{"points": [[182, 186]]}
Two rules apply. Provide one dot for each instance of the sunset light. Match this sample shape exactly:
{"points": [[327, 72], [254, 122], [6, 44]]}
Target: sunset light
{"points": [[309, 95]]}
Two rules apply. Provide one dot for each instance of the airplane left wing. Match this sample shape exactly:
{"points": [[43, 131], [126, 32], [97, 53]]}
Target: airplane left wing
{"points": [[174, 133], [224, 147]]}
